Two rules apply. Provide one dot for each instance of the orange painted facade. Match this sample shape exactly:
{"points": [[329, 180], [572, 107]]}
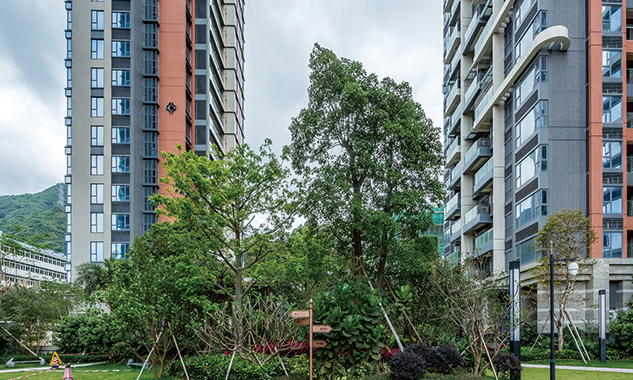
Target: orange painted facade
{"points": [[594, 103], [174, 45]]}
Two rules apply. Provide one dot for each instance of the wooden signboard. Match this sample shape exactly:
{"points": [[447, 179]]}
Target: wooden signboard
{"points": [[304, 318]]}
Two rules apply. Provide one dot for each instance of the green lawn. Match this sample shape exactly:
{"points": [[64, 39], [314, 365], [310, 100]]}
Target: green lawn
{"points": [[594, 363], [538, 374], [95, 372]]}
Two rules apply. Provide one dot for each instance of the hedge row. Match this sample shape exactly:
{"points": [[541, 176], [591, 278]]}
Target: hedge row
{"points": [[212, 367]]}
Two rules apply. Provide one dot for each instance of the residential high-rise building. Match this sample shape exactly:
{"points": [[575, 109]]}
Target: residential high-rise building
{"points": [[534, 124], [142, 77]]}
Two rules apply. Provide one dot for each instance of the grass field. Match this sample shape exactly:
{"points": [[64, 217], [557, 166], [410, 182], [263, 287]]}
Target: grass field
{"points": [[593, 363], [94, 372]]}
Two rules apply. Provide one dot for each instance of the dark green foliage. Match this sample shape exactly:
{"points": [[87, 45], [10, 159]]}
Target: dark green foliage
{"points": [[444, 359], [421, 349], [216, 366], [507, 365], [356, 338], [88, 332], [407, 365], [622, 330], [37, 219]]}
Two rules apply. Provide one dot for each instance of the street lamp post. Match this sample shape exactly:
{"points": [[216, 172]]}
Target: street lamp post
{"points": [[573, 270]]}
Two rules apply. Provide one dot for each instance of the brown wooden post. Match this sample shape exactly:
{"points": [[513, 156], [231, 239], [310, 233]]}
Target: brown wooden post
{"points": [[310, 336]]}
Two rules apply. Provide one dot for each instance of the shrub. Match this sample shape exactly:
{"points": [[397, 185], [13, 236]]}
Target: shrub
{"points": [[507, 365], [215, 367], [421, 349], [407, 365], [449, 359], [622, 330], [536, 354]]}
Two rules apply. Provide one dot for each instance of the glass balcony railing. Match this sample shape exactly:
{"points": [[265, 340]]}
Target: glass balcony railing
{"points": [[483, 171], [482, 39], [457, 171], [483, 103], [483, 239], [456, 227], [470, 215], [452, 203], [451, 149], [457, 115]]}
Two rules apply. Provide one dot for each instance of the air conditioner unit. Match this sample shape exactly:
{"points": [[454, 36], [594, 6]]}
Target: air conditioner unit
{"points": [[484, 209]]}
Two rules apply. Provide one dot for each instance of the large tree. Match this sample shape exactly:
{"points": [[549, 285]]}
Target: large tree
{"points": [[370, 157], [239, 206], [567, 235]]}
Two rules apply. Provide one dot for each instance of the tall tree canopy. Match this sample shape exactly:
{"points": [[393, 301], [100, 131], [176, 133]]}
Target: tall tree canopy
{"points": [[370, 156]]}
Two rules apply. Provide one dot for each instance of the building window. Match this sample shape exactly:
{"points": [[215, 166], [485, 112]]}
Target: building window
{"points": [[538, 25], [611, 200], [611, 155], [150, 117], [150, 172], [69, 164], [150, 144], [119, 250], [120, 48], [611, 109], [201, 59], [96, 251], [150, 38], [148, 220], [96, 165], [120, 222], [69, 48], [611, 64], [120, 20], [96, 107], [120, 135], [69, 107], [69, 19], [96, 222], [120, 164], [97, 49], [69, 78], [120, 106], [537, 73], [96, 193], [533, 120], [120, 193], [150, 90], [147, 193], [531, 165], [69, 196], [96, 77], [522, 10], [97, 20], [96, 135], [69, 135], [150, 10], [611, 18], [612, 244], [531, 208], [150, 62], [120, 77]]}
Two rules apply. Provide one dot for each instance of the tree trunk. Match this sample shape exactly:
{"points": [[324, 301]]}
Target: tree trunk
{"points": [[238, 300], [382, 263], [560, 326]]}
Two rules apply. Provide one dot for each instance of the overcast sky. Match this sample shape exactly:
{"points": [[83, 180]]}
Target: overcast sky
{"points": [[402, 40]]}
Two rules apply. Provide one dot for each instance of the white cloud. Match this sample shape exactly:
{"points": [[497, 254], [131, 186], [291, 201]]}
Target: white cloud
{"points": [[32, 136]]}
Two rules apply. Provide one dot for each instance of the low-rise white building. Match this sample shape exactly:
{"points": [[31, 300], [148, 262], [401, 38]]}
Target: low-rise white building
{"points": [[26, 265]]}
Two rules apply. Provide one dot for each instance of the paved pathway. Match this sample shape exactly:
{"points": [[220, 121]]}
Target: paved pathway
{"points": [[598, 369], [43, 368]]}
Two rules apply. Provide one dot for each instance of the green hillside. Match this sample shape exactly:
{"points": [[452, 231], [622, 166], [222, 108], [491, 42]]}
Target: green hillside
{"points": [[38, 218]]}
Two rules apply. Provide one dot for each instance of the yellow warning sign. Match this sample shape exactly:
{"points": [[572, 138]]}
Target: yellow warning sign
{"points": [[55, 360]]}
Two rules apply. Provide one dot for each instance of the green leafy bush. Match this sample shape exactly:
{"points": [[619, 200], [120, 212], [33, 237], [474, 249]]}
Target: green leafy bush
{"points": [[407, 365], [356, 338], [444, 359], [507, 365], [87, 332], [215, 367], [622, 330]]}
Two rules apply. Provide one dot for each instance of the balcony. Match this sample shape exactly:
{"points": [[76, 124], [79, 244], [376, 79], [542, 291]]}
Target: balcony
{"points": [[483, 179], [455, 177], [479, 108], [454, 258], [629, 32], [456, 118], [455, 11], [482, 81], [455, 232], [483, 243], [455, 62], [453, 207], [451, 45], [629, 83], [481, 41], [453, 152], [629, 119], [477, 217], [629, 207], [479, 20], [629, 170], [447, 5], [478, 153], [453, 97]]}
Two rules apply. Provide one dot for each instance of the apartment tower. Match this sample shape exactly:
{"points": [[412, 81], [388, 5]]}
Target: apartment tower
{"points": [[535, 94], [142, 77]]}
